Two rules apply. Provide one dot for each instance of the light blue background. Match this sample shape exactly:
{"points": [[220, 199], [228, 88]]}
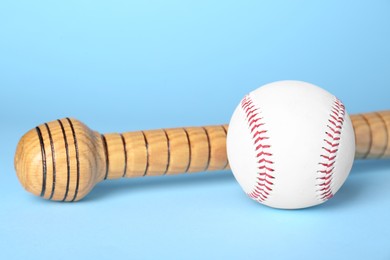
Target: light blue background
{"points": [[131, 65]]}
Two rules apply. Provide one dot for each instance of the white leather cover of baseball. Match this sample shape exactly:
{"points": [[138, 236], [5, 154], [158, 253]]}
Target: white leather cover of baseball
{"points": [[290, 144]]}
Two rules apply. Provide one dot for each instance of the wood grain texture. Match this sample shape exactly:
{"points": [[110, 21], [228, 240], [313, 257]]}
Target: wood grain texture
{"points": [[63, 160], [166, 151], [372, 135], [54, 160]]}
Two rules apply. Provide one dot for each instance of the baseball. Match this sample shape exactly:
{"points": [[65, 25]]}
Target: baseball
{"points": [[290, 144]]}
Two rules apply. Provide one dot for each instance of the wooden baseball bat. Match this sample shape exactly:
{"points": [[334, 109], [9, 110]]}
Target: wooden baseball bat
{"points": [[63, 160]]}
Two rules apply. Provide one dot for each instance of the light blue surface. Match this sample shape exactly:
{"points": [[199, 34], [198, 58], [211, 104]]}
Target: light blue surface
{"points": [[130, 65]]}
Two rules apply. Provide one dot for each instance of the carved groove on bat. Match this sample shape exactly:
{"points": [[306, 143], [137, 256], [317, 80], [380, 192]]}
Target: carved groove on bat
{"points": [[209, 148], [147, 153], [76, 146], [227, 161], [125, 152], [67, 159], [105, 147], [382, 154], [53, 157], [169, 151], [371, 136], [189, 150], [44, 167]]}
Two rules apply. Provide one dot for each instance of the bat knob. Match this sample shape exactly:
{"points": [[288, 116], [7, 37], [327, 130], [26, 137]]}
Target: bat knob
{"points": [[60, 160]]}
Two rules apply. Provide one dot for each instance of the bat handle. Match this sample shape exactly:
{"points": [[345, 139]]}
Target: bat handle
{"points": [[372, 135], [164, 151]]}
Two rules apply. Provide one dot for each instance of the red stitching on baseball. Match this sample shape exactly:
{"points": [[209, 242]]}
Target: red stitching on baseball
{"points": [[262, 189], [252, 118], [330, 149]]}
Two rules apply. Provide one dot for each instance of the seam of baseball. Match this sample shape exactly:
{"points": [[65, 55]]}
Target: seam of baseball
{"points": [[265, 176], [329, 151]]}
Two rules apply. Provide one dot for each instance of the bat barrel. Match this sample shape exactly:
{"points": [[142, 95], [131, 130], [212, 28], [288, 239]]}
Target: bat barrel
{"points": [[372, 135]]}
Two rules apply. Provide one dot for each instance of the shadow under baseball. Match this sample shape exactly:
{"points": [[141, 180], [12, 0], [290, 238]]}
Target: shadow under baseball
{"points": [[359, 183], [364, 166]]}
